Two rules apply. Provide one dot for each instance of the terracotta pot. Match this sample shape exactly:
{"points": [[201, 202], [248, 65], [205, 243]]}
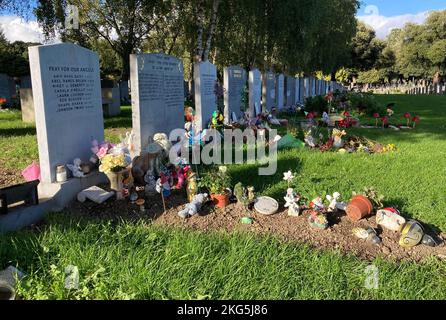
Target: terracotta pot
{"points": [[359, 208], [220, 200]]}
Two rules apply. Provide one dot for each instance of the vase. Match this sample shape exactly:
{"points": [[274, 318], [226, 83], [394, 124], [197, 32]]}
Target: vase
{"points": [[359, 208], [220, 200], [116, 182]]}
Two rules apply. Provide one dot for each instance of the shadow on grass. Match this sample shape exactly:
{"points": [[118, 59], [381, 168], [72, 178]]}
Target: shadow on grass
{"points": [[17, 132], [123, 120]]}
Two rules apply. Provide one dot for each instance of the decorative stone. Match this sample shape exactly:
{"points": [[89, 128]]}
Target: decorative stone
{"points": [[266, 205], [390, 219], [411, 234]]}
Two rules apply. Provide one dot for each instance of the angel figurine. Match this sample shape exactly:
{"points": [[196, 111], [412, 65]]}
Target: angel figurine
{"points": [[292, 202]]}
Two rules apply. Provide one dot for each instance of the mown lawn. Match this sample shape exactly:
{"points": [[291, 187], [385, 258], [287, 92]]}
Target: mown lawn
{"points": [[136, 260]]}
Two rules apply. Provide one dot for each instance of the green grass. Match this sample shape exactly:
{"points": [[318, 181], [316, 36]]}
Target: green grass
{"points": [[18, 141], [138, 260], [141, 261]]}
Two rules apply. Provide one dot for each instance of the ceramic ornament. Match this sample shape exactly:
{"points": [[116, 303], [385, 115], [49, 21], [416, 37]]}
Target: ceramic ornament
{"points": [[390, 219], [266, 205]]}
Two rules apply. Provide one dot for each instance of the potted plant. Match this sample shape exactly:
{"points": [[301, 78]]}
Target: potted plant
{"points": [[363, 204], [217, 181]]}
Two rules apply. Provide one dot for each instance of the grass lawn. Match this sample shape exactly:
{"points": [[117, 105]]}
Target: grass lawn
{"points": [[138, 260]]}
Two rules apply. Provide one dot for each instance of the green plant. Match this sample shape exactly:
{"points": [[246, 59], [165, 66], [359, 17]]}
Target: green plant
{"points": [[216, 180], [366, 103], [373, 195], [317, 103]]}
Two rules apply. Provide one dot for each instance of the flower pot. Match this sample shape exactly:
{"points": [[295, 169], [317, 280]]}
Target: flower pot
{"points": [[359, 208], [220, 200], [116, 182]]}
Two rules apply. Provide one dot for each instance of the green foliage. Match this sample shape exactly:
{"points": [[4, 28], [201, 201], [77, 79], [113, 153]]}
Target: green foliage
{"points": [[216, 180], [14, 59], [366, 103], [316, 103]]}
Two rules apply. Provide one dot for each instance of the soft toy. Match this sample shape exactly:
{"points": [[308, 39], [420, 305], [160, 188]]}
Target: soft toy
{"points": [[76, 168], [194, 206]]}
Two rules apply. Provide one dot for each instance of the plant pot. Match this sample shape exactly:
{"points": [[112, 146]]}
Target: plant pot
{"points": [[116, 182], [359, 208], [220, 200]]}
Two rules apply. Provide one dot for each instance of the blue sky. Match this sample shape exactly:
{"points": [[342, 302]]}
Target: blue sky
{"points": [[401, 7]]}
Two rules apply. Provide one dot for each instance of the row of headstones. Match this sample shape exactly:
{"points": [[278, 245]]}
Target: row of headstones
{"points": [[431, 89], [67, 98], [266, 90]]}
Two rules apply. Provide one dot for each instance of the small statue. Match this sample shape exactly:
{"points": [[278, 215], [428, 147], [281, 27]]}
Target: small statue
{"points": [[317, 204], [150, 181], [245, 196], [292, 202], [194, 206], [333, 206], [325, 118], [192, 186], [76, 168]]}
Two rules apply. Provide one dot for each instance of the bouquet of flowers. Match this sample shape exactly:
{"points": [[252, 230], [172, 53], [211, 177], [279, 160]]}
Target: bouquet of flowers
{"points": [[112, 158]]}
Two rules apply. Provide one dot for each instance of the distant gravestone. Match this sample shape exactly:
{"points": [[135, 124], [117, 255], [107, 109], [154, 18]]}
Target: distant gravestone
{"points": [[255, 92], [27, 105], [234, 84], [6, 88], [280, 90], [205, 78], [111, 101], [306, 88], [290, 91], [268, 90], [157, 96], [124, 91], [297, 90], [67, 101], [25, 82]]}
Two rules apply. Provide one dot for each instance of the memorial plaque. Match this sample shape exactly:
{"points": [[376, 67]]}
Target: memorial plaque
{"points": [[67, 102], [268, 91], [280, 90], [255, 92], [205, 78], [157, 96], [234, 84]]}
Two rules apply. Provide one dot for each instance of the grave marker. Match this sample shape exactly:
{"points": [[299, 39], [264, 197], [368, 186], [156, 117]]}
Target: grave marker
{"points": [[255, 92], [205, 78], [234, 84]]}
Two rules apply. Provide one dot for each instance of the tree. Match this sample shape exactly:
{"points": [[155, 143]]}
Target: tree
{"points": [[125, 25], [366, 48]]}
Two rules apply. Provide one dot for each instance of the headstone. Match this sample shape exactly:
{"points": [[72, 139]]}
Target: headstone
{"points": [[25, 82], [313, 86], [234, 84], [124, 92], [111, 101], [255, 92], [157, 96], [296, 90], [268, 90], [205, 78], [280, 90], [27, 105], [306, 87], [290, 91], [6, 89], [67, 102]]}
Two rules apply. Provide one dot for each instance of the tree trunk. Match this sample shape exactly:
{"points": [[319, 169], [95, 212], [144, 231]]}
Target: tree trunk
{"points": [[125, 58], [212, 28], [200, 24]]}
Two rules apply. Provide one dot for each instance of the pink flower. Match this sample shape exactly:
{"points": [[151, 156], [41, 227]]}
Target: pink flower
{"points": [[102, 152]]}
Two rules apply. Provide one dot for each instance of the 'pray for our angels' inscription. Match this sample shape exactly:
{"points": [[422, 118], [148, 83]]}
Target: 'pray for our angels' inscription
{"points": [[73, 87]]}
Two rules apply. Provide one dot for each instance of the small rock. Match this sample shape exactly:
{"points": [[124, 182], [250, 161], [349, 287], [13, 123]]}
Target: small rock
{"points": [[386, 250], [441, 256]]}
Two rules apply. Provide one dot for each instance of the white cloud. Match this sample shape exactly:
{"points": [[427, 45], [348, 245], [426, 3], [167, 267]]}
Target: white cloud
{"points": [[17, 29], [383, 25]]}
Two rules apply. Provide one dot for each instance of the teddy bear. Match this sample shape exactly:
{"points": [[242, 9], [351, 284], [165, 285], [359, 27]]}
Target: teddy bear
{"points": [[193, 207]]}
